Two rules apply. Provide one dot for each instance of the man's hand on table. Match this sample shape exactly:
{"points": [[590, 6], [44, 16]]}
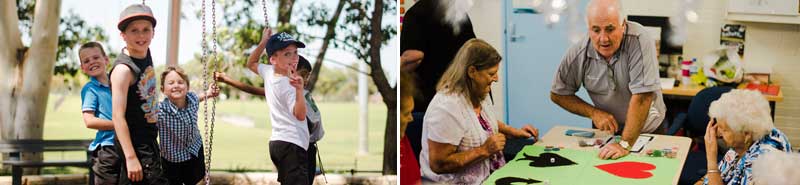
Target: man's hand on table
{"points": [[613, 151], [604, 121]]}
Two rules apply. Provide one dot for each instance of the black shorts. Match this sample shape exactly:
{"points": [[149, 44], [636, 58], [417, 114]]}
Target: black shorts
{"points": [[106, 165], [190, 171], [149, 157], [291, 161]]}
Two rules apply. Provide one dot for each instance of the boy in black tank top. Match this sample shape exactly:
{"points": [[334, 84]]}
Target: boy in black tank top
{"points": [[134, 100]]}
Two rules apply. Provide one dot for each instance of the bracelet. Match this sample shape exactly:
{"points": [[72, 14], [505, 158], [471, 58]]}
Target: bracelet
{"points": [[713, 171]]}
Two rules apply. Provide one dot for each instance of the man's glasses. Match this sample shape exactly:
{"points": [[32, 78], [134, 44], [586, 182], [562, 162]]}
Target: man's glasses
{"points": [[612, 77]]}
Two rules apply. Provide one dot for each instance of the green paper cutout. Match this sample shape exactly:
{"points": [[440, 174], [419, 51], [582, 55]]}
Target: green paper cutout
{"points": [[585, 171]]}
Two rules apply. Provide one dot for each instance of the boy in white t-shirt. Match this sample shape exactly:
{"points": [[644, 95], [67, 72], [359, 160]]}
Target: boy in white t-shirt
{"points": [[284, 94]]}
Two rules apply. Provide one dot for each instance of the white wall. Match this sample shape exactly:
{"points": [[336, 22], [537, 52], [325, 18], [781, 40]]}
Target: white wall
{"points": [[768, 47]]}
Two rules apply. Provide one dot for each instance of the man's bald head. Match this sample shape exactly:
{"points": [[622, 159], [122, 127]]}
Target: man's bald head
{"points": [[605, 21], [604, 9]]}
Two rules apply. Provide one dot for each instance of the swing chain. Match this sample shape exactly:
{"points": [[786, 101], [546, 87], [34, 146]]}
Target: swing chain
{"points": [[215, 65], [264, 6], [204, 62]]}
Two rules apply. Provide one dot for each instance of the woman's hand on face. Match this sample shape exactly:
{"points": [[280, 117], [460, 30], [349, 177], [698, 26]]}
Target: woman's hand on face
{"points": [[711, 140]]}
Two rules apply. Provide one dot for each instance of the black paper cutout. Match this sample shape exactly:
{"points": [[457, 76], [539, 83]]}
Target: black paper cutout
{"points": [[509, 180], [547, 159]]}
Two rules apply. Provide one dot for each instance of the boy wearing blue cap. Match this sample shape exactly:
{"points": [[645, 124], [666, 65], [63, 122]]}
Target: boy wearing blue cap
{"points": [[284, 93], [313, 115]]}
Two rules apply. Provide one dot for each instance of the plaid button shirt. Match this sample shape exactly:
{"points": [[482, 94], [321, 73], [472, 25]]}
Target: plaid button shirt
{"points": [[177, 129]]}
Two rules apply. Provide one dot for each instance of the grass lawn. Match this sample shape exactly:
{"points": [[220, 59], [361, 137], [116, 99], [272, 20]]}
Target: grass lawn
{"points": [[243, 148]]}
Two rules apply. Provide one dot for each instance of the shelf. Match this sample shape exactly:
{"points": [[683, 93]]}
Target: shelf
{"points": [[780, 19]]}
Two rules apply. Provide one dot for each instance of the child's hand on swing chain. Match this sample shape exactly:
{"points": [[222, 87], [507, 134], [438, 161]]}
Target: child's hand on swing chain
{"points": [[213, 91], [295, 80], [266, 33], [221, 77]]}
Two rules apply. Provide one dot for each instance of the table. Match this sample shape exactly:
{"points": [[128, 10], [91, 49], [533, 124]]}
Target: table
{"points": [[687, 92], [693, 90], [556, 137]]}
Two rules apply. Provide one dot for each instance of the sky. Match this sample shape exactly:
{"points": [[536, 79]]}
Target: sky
{"points": [[106, 14]]}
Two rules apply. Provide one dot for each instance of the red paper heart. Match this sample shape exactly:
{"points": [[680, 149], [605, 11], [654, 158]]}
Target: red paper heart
{"points": [[633, 170]]}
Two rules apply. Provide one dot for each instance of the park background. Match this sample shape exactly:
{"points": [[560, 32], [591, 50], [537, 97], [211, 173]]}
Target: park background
{"points": [[342, 45]]}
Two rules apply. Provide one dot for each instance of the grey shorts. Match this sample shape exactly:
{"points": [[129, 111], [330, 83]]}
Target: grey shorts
{"points": [[106, 165]]}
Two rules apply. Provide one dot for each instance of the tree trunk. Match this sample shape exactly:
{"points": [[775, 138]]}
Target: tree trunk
{"points": [[31, 80], [285, 11], [329, 35], [390, 141], [10, 35], [38, 70], [388, 93]]}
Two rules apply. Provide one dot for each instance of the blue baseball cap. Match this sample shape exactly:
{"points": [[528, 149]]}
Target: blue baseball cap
{"points": [[280, 41]]}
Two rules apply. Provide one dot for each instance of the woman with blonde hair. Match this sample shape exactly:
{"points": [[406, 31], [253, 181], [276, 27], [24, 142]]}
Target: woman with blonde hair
{"points": [[462, 138], [742, 119]]}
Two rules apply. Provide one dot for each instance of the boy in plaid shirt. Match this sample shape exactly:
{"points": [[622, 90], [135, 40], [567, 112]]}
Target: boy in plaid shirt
{"points": [[181, 144]]}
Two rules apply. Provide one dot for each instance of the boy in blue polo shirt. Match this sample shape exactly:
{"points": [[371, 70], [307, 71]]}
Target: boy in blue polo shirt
{"points": [[96, 108]]}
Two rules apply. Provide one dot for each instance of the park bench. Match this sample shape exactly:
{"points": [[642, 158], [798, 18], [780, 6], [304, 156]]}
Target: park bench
{"points": [[15, 147]]}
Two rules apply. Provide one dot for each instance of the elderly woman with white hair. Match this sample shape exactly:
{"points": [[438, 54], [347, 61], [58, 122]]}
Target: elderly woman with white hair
{"points": [[742, 119], [462, 137]]}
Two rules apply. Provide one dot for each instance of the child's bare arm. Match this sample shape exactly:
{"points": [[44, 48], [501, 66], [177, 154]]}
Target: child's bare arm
{"points": [[258, 91], [96, 123], [247, 88], [300, 106], [252, 61], [122, 77]]}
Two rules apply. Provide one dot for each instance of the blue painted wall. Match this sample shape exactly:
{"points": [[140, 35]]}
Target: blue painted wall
{"points": [[531, 61]]}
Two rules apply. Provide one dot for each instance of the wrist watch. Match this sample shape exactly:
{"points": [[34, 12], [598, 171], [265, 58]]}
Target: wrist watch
{"points": [[625, 145]]}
